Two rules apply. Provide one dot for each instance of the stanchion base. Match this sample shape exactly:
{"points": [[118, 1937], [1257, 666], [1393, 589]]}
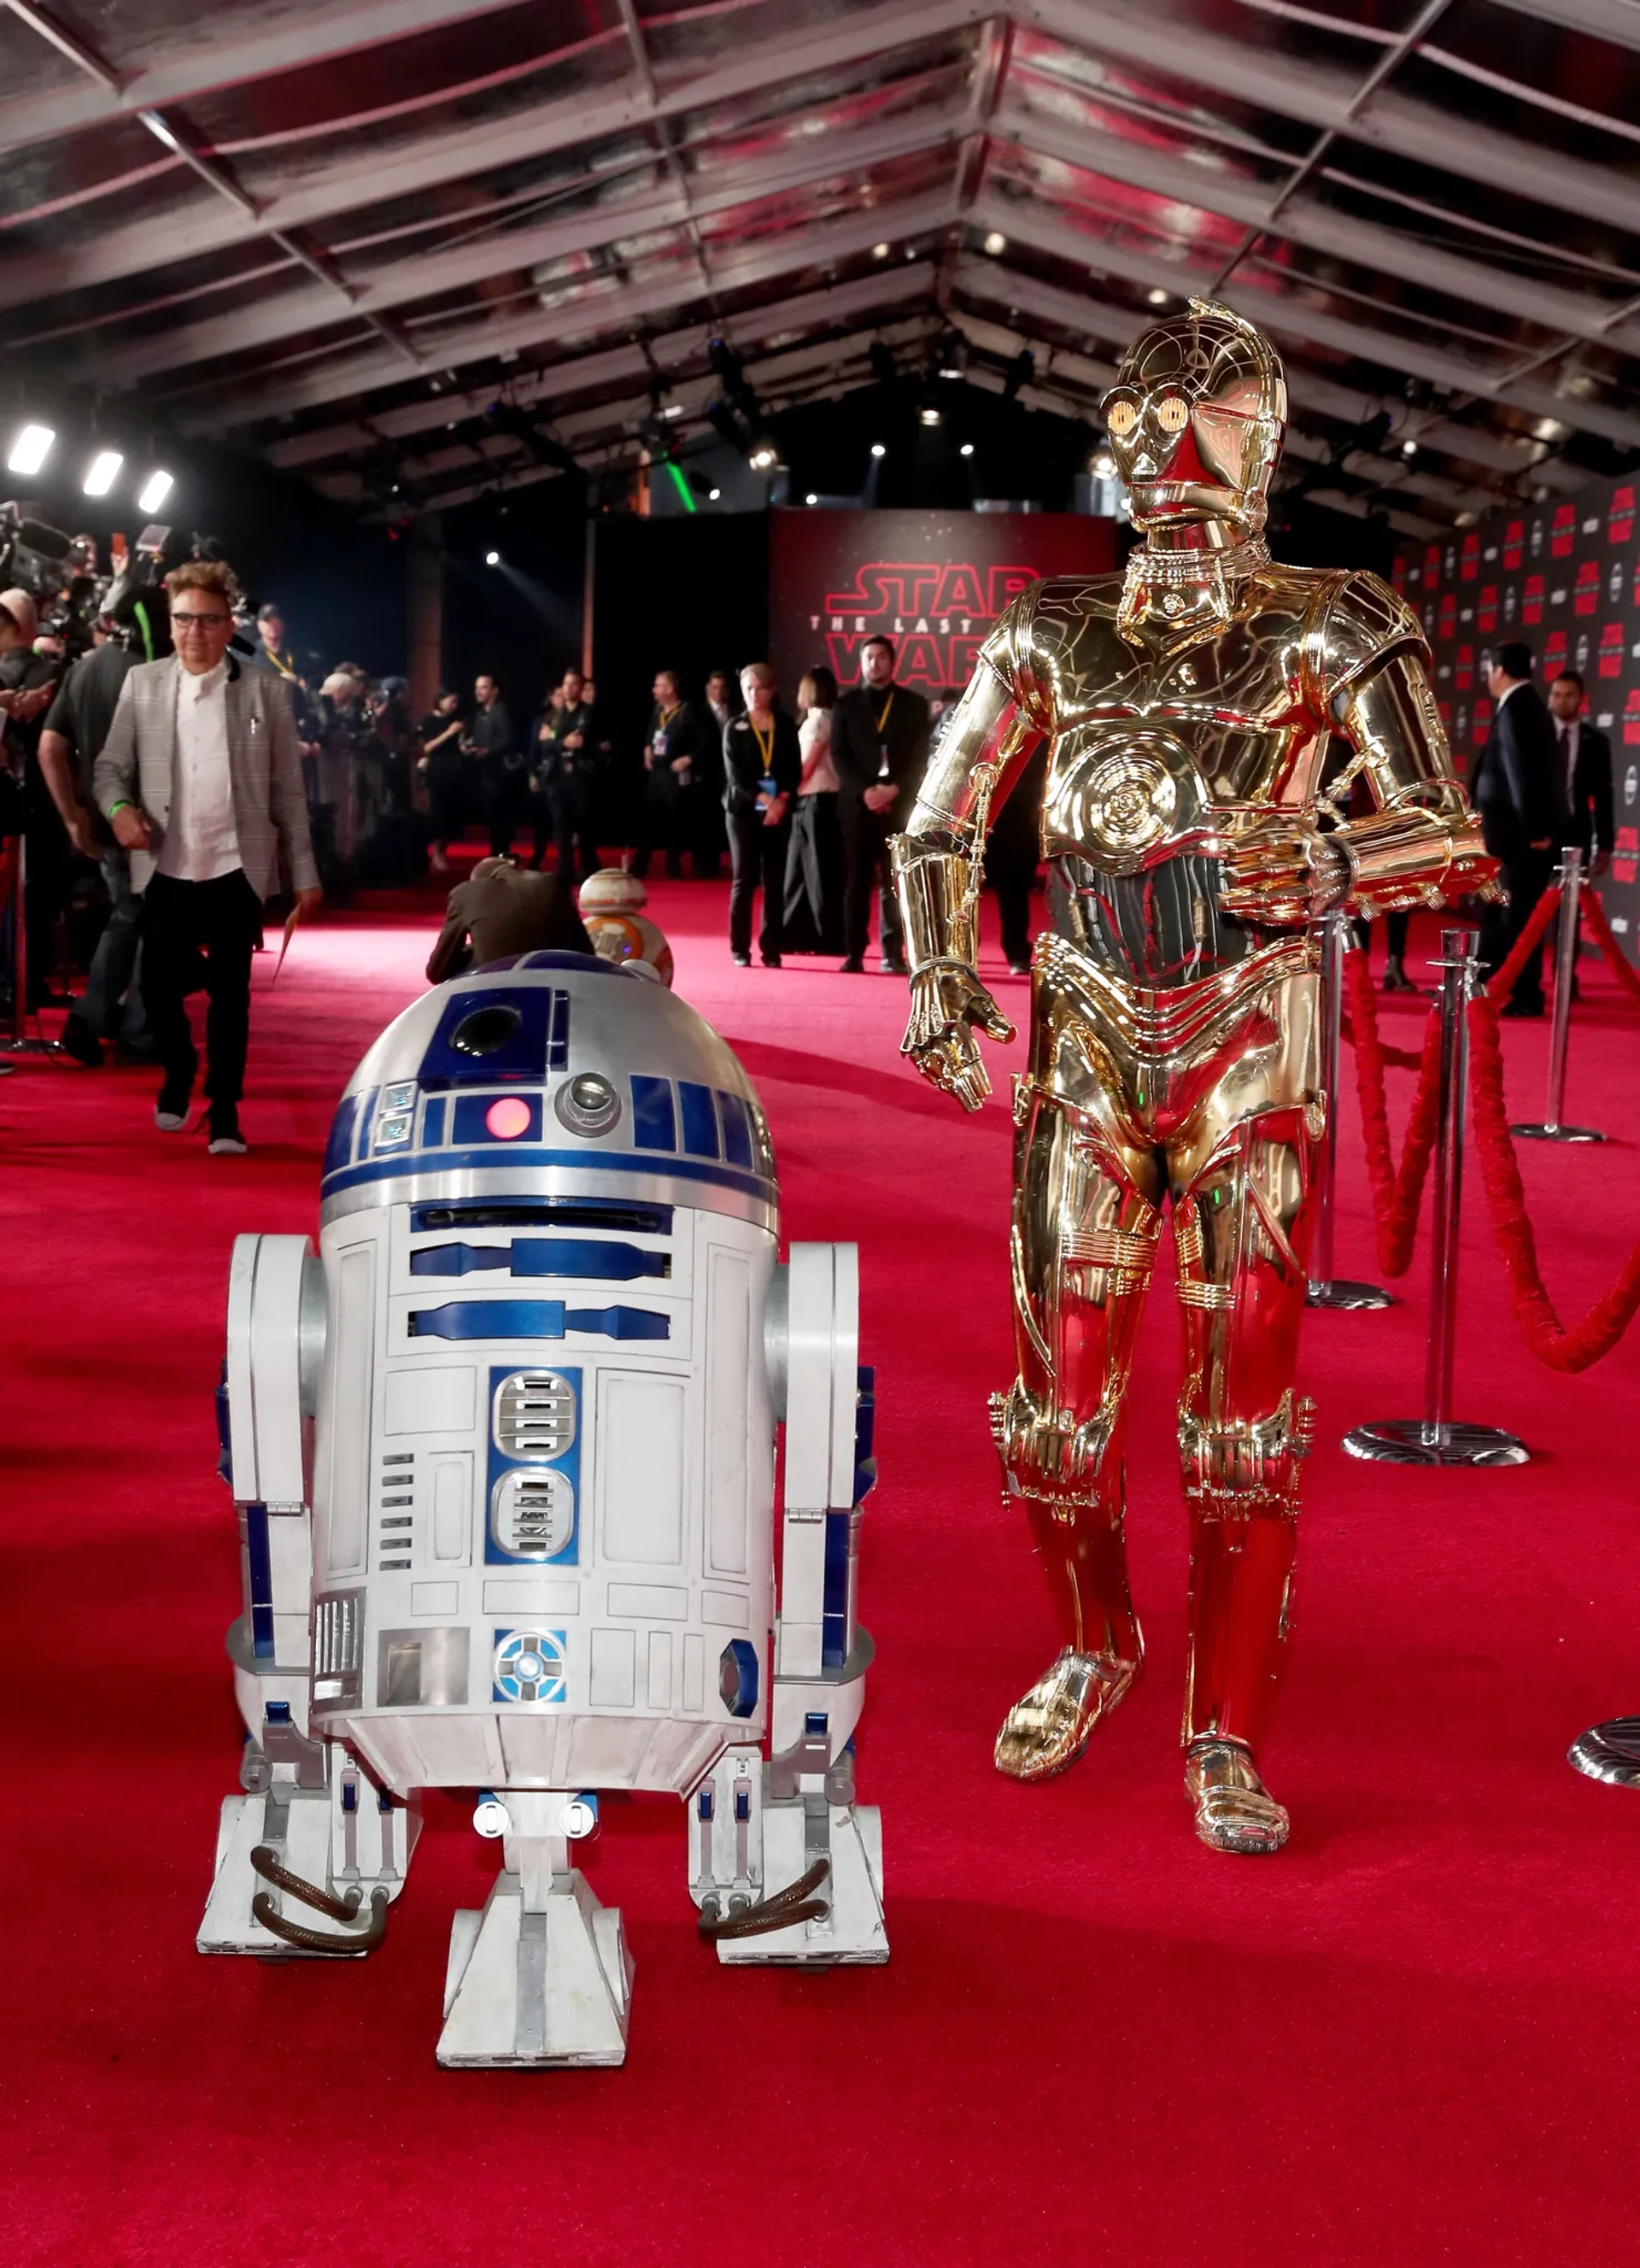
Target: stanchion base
{"points": [[1409, 1441], [1609, 1751], [1546, 1133], [27, 1047], [1338, 1292]]}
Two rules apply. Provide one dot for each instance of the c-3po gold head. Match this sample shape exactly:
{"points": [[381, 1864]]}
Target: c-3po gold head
{"points": [[1196, 419]]}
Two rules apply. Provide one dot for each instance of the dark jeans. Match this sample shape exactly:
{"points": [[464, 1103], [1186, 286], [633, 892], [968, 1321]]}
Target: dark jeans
{"points": [[447, 802], [224, 920], [813, 922], [865, 866], [660, 826], [757, 858], [117, 961], [570, 803], [506, 804], [1012, 878], [1526, 877]]}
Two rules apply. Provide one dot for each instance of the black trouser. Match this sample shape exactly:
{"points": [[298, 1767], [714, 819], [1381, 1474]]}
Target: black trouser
{"points": [[1526, 876], [447, 802], [224, 920], [813, 922], [1396, 928], [660, 823], [506, 803], [570, 800], [757, 857], [865, 866], [1012, 876]]}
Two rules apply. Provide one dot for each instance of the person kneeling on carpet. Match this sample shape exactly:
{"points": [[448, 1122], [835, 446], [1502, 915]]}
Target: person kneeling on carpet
{"points": [[200, 779], [502, 909]]}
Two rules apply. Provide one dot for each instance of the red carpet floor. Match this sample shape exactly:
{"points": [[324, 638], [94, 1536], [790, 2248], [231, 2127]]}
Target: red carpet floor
{"points": [[1415, 2036]]}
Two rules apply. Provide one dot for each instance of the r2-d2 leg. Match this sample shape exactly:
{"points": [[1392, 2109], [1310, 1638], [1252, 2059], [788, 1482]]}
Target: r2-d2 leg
{"points": [[785, 1866], [309, 1857]]}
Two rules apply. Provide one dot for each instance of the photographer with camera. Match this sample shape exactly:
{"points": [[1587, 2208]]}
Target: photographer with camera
{"points": [[27, 683], [201, 780]]}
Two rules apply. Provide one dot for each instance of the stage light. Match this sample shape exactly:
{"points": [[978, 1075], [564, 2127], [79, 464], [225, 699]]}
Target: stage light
{"points": [[1158, 298], [881, 251], [1105, 465], [762, 458], [31, 449], [712, 495], [105, 470], [878, 449], [672, 409], [996, 244], [811, 497], [1409, 448], [156, 488], [966, 450], [492, 559], [951, 353], [928, 413]]}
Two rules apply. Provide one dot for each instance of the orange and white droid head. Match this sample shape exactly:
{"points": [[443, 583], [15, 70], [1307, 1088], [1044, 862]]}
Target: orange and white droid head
{"points": [[1195, 420]]}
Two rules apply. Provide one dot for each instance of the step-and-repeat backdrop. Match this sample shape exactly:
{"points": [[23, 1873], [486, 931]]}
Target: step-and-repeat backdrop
{"points": [[1564, 578], [935, 582]]}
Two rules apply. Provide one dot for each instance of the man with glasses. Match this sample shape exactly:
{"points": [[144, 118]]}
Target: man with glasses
{"points": [[201, 780]]}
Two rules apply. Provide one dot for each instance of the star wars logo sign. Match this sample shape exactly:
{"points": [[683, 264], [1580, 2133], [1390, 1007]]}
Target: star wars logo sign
{"points": [[934, 582]]}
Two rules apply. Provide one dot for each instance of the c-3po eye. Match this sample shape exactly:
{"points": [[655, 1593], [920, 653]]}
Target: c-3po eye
{"points": [[1120, 419], [1173, 414]]}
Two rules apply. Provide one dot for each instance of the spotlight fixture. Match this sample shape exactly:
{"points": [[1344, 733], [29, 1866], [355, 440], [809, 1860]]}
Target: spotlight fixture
{"points": [[1158, 298], [1409, 448], [928, 413], [881, 251], [1105, 465], [1018, 374], [763, 458], [156, 488], [492, 559], [31, 449], [951, 353], [103, 472], [996, 244], [878, 449], [712, 495], [811, 497], [966, 450]]}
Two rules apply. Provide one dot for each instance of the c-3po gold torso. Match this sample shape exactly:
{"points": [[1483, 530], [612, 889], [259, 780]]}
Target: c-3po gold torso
{"points": [[1195, 842]]}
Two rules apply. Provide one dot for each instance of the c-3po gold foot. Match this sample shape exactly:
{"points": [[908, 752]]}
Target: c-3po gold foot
{"points": [[1047, 1731], [1233, 1811]]}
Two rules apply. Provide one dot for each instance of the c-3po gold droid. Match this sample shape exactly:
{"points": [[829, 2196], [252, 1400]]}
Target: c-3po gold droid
{"points": [[1188, 704]]}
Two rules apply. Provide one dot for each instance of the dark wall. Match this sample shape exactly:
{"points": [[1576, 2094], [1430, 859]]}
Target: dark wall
{"points": [[520, 621], [686, 594]]}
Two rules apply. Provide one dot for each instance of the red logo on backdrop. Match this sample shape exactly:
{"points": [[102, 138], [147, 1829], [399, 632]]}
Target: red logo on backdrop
{"points": [[1631, 718], [1586, 596], [1463, 673], [1482, 724], [1398, 574], [1448, 618], [1553, 654], [1514, 540], [1611, 661], [939, 616], [1471, 557], [1628, 845], [1562, 529], [1444, 710], [1431, 566], [1620, 515], [1531, 600], [1486, 615]]}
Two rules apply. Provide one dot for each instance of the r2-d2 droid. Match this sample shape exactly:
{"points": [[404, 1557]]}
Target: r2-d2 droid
{"points": [[504, 1456]]}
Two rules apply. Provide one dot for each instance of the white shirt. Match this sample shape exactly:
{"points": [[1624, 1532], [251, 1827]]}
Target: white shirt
{"points": [[820, 774], [201, 844]]}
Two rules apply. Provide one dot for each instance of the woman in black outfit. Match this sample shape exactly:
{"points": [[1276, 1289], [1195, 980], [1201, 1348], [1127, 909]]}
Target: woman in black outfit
{"points": [[761, 769]]}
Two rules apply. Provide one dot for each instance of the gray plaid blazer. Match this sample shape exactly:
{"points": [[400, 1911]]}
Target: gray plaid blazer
{"points": [[269, 805]]}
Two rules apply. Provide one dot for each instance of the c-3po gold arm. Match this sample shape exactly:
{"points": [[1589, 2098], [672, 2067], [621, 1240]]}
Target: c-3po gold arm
{"points": [[939, 864]]}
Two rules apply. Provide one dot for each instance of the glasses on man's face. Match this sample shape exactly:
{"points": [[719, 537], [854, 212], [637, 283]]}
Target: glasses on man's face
{"points": [[200, 622]]}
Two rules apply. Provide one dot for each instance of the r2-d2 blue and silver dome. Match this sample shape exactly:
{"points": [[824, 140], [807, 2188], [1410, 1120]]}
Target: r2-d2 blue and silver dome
{"points": [[504, 1456]]}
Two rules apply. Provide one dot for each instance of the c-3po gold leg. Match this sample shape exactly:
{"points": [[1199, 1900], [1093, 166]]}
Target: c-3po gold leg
{"points": [[1047, 1730]]}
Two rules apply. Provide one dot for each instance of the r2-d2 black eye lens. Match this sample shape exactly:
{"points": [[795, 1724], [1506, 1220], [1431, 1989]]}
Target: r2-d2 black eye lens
{"points": [[485, 1031]]}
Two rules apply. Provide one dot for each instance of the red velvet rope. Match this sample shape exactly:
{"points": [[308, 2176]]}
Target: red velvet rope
{"points": [[1396, 1197], [1601, 931], [1542, 914], [1610, 1317], [1398, 1058]]}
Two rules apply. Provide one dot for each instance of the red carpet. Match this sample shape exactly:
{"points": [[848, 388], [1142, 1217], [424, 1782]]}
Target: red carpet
{"points": [[1413, 2038]]}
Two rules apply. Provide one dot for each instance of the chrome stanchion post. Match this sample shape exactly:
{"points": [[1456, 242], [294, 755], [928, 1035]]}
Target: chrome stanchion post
{"points": [[1552, 1128], [1437, 1439], [1325, 1289]]}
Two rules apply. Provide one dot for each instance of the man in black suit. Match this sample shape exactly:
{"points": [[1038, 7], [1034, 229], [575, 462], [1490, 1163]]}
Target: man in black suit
{"points": [[567, 758], [1583, 775], [879, 746], [1514, 792]]}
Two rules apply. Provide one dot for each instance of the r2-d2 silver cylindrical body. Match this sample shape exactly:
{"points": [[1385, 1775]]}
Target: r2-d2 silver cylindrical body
{"points": [[541, 1471]]}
